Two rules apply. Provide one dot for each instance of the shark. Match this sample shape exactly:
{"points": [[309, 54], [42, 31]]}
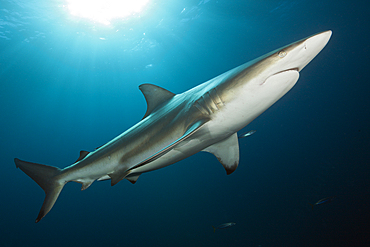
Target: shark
{"points": [[176, 126]]}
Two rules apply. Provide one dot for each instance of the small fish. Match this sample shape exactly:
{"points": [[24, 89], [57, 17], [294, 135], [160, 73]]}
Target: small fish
{"points": [[251, 132], [323, 201], [223, 226]]}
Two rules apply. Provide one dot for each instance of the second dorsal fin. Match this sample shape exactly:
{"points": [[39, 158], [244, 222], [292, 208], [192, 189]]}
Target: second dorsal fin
{"points": [[83, 154], [154, 96]]}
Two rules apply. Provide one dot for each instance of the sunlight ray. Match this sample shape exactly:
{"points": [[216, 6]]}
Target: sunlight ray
{"points": [[103, 11]]}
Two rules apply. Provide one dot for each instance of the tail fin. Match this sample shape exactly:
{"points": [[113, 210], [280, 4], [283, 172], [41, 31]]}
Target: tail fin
{"points": [[45, 176], [312, 205], [214, 229]]}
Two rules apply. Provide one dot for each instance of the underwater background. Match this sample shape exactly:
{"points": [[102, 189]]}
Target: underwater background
{"points": [[69, 84]]}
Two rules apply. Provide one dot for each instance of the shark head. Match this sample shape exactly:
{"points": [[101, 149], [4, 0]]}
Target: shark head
{"points": [[293, 57], [251, 88], [290, 58]]}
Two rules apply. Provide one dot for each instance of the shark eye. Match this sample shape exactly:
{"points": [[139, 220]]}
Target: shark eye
{"points": [[282, 53]]}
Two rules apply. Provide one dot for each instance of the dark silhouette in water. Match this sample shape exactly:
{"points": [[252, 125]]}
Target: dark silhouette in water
{"points": [[323, 201], [223, 226]]}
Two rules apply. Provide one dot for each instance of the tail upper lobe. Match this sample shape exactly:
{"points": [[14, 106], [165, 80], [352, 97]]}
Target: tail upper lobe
{"points": [[47, 178]]}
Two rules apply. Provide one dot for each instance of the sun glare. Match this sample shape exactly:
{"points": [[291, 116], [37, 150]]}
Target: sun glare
{"points": [[104, 11]]}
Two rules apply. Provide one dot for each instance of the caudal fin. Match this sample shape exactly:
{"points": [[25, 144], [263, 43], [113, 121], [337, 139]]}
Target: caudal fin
{"points": [[45, 176]]}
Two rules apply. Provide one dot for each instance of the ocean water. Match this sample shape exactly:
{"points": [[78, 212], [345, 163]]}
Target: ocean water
{"points": [[71, 84]]}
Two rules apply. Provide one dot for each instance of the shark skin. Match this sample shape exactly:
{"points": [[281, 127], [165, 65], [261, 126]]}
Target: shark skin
{"points": [[176, 126]]}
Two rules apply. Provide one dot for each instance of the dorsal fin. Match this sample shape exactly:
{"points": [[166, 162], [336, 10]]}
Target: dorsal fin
{"points": [[154, 96], [83, 154]]}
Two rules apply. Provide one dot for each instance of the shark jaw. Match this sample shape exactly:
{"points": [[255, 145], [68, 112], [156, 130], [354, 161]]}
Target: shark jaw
{"points": [[176, 126]]}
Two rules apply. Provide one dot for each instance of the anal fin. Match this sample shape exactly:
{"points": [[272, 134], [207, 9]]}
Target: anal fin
{"points": [[86, 185]]}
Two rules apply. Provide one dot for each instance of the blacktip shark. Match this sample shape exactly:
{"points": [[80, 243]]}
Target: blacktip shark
{"points": [[176, 126]]}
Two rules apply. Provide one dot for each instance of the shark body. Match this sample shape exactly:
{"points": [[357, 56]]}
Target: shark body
{"points": [[176, 126]]}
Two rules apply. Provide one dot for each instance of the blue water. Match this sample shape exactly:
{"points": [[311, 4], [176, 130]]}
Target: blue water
{"points": [[68, 84]]}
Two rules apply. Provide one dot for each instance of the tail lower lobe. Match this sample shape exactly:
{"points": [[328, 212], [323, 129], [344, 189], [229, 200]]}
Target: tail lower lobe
{"points": [[47, 178]]}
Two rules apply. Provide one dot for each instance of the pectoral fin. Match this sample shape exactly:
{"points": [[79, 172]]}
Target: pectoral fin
{"points": [[227, 152]]}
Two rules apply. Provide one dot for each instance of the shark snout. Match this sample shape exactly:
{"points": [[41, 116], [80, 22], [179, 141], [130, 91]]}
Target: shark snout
{"points": [[302, 52], [316, 43]]}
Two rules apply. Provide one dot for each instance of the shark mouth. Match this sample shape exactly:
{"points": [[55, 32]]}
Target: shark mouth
{"points": [[280, 72], [296, 69]]}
